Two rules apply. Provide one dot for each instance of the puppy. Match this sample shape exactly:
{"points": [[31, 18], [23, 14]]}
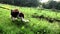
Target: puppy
{"points": [[14, 14]]}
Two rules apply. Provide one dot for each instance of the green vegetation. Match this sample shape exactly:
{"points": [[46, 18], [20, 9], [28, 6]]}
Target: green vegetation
{"points": [[35, 26], [29, 3], [51, 4]]}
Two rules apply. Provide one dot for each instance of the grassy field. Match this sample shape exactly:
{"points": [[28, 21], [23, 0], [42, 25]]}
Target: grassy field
{"points": [[34, 26]]}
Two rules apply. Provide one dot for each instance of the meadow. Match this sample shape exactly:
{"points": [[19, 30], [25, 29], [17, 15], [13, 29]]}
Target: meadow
{"points": [[34, 26]]}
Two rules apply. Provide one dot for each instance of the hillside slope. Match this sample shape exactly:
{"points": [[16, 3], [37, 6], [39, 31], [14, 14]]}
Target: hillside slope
{"points": [[35, 26]]}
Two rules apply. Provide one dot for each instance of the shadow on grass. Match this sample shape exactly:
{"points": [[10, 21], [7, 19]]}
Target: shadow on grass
{"points": [[2, 30], [19, 23], [49, 19]]}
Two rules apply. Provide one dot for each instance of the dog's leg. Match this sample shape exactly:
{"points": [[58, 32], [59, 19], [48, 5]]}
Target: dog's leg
{"points": [[13, 18], [24, 20]]}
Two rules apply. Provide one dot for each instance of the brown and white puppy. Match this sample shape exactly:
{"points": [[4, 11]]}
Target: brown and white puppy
{"points": [[14, 14]]}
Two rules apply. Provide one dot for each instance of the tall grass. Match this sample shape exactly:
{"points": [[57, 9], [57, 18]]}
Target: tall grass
{"points": [[34, 26]]}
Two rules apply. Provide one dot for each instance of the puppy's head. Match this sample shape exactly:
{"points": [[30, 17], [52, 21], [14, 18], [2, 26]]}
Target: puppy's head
{"points": [[16, 10]]}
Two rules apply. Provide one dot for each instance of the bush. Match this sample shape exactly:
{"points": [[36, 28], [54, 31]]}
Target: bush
{"points": [[51, 5], [29, 3]]}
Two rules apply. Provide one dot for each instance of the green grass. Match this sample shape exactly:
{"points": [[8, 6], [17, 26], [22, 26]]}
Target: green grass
{"points": [[35, 26]]}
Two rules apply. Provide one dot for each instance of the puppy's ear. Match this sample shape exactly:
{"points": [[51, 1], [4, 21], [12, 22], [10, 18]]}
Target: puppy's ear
{"points": [[11, 10]]}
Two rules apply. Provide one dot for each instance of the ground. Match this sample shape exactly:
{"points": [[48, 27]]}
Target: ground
{"points": [[34, 26]]}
